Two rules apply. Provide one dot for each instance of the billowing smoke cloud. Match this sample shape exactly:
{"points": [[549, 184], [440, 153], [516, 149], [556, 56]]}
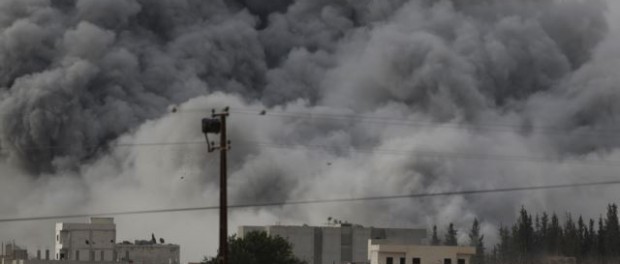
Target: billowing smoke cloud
{"points": [[510, 94]]}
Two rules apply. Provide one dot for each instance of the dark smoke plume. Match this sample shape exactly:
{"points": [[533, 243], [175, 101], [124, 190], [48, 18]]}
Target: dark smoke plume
{"points": [[531, 80]]}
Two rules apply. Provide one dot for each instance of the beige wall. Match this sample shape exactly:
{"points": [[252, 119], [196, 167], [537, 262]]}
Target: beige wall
{"points": [[379, 253]]}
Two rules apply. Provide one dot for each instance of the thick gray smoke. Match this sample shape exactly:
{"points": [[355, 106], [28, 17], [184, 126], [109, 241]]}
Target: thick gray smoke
{"points": [[510, 93]]}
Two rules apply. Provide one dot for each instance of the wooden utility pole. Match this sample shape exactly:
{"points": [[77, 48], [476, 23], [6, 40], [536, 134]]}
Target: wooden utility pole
{"points": [[217, 124]]}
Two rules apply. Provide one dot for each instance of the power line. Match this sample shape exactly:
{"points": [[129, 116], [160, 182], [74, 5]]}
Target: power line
{"points": [[318, 201], [368, 150], [433, 154], [498, 127]]}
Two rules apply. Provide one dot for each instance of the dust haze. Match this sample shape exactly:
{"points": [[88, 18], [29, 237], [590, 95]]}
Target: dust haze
{"points": [[510, 93]]}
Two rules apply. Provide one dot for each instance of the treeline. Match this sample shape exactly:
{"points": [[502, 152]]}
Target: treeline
{"points": [[541, 237], [534, 237]]}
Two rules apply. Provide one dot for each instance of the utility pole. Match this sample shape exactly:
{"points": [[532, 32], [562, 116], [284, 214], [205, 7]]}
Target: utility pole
{"points": [[214, 125]]}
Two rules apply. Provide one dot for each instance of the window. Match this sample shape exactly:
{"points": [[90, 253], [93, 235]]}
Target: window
{"points": [[57, 237], [460, 261], [402, 260], [77, 255], [416, 261], [447, 261], [389, 260]]}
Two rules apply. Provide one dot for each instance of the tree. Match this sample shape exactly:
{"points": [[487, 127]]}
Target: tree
{"points": [[505, 247], [258, 248], [584, 238], [476, 240], [554, 236], [593, 241], [570, 240], [612, 231], [523, 234], [435, 240], [543, 234], [450, 239], [601, 238]]}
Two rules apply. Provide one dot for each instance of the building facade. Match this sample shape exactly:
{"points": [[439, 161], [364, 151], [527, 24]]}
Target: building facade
{"points": [[343, 243], [92, 241], [147, 252], [388, 252], [95, 243]]}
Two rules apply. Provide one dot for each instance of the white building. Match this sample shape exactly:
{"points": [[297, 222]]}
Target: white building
{"points": [[95, 243], [336, 244], [92, 241], [388, 252]]}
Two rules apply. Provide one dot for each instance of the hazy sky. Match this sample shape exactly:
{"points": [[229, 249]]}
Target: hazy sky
{"points": [[446, 96]]}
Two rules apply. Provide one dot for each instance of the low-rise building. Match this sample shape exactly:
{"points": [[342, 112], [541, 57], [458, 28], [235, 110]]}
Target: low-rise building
{"points": [[390, 252], [95, 243], [147, 252], [343, 243]]}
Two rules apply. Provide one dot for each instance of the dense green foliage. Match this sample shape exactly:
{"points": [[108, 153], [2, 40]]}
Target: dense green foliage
{"points": [[533, 238], [258, 248]]}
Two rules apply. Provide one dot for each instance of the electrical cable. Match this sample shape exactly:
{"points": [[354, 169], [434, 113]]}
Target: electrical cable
{"points": [[318, 201], [498, 127], [377, 151]]}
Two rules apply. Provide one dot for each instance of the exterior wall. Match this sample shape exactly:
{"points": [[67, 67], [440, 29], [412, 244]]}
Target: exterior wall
{"points": [[34, 261], [92, 241], [360, 244], [378, 253], [301, 237], [330, 245], [95, 243], [12, 251], [148, 254], [336, 244]]}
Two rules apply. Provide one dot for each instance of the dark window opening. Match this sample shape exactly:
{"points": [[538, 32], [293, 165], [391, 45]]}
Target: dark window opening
{"points": [[62, 255], [416, 261], [402, 260], [77, 255], [447, 261], [389, 260], [460, 261], [57, 237], [103, 254]]}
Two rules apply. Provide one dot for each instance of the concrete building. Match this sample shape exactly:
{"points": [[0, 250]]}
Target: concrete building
{"points": [[388, 252], [92, 241], [147, 252], [343, 243], [12, 251], [95, 243]]}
